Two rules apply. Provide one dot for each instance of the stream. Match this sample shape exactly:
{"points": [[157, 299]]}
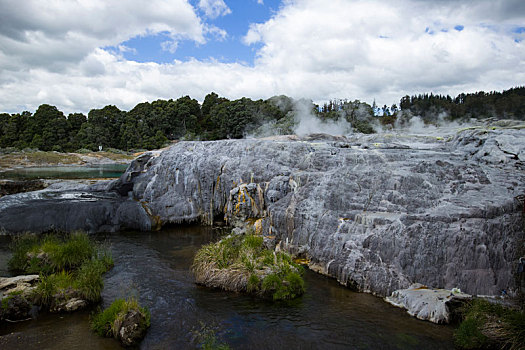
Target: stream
{"points": [[155, 267]]}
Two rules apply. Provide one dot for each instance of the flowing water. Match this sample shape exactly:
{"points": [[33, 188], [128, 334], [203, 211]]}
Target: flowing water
{"points": [[65, 172], [154, 266]]}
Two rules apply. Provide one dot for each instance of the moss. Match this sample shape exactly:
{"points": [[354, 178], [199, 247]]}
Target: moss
{"points": [[241, 263], [487, 325]]}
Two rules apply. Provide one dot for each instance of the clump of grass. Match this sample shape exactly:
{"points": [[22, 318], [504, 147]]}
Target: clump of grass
{"points": [[487, 325], [107, 323], [52, 252], [241, 263], [68, 264]]}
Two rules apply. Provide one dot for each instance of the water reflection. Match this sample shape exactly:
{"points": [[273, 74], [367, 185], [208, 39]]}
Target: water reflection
{"points": [[65, 172]]}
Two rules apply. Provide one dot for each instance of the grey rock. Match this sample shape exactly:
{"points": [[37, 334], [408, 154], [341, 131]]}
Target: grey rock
{"points": [[133, 328], [71, 210], [75, 304], [11, 282], [429, 304], [377, 212]]}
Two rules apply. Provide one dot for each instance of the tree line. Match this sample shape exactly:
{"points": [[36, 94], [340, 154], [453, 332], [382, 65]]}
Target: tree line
{"points": [[509, 104], [152, 125]]}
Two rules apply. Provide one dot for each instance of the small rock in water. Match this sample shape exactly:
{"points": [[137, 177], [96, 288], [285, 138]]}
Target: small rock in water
{"points": [[434, 305], [17, 308], [133, 328]]}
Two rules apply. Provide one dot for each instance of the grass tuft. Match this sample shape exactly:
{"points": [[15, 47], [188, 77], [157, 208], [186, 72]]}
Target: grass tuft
{"points": [[487, 325], [106, 323], [241, 263], [68, 264]]}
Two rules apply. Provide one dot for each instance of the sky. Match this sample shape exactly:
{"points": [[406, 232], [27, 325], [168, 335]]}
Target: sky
{"points": [[84, 54]]}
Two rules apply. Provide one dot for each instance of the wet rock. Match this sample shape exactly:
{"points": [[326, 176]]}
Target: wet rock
{"points": [[17, 186], [15, 308], [133, 328], [434, 305], [10, 282], [71, 210]]}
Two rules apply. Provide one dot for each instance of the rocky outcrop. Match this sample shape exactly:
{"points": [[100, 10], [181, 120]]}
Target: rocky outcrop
{"points": [[429, 304], [70, 210], [377, 212]]}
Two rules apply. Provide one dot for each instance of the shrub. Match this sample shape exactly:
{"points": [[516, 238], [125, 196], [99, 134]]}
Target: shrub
{"points": [[89, 281], [70, 254], [207, 338]]}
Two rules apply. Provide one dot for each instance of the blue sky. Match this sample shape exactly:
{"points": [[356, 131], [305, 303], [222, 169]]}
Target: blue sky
{"points": [[79, 55], [230, 49]]}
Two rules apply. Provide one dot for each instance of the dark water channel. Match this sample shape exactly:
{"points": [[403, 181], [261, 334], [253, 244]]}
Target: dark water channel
{"points": [[155, 267], [65, 172]]}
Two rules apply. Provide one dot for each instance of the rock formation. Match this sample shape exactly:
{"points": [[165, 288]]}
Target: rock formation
{"points": [[377, 212]]}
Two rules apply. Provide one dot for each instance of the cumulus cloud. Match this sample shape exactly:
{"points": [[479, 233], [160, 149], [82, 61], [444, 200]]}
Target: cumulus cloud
{"points": [[214, 8], [54, 52], [53, 34]]}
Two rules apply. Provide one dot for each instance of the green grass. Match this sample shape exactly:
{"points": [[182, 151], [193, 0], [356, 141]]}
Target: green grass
{"points": [[241, 263], [106, 323], [487, 325], [65, 262], [52, 252]]}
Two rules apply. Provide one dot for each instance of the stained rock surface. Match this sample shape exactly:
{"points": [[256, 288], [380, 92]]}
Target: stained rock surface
{"points": [[377, 212]]}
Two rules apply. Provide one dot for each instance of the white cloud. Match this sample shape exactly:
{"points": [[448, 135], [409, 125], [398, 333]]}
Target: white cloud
{"points": [[260, 2], [214, 8], [310, 48], [51, 34]]}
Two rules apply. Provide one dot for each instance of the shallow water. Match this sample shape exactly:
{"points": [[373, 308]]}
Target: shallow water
{"points": [[65, 172], [155, 267]]}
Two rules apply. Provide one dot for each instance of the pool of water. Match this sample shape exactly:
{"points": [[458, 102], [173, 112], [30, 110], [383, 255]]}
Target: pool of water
{"points": [[65, 172], [155, 267]]}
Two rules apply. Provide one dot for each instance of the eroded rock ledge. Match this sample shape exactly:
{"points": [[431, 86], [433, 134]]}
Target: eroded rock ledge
{"points": [[376, 212]]}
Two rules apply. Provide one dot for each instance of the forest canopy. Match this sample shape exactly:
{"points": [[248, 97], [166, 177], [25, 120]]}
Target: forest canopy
{"points": [[152, 125]]}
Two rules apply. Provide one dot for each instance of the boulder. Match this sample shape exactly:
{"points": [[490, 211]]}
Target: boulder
{"points": [[133, 328], [429, 304]]}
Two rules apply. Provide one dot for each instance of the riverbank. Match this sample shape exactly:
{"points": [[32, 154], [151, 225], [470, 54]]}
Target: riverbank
{"points": [[22, 159]]}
